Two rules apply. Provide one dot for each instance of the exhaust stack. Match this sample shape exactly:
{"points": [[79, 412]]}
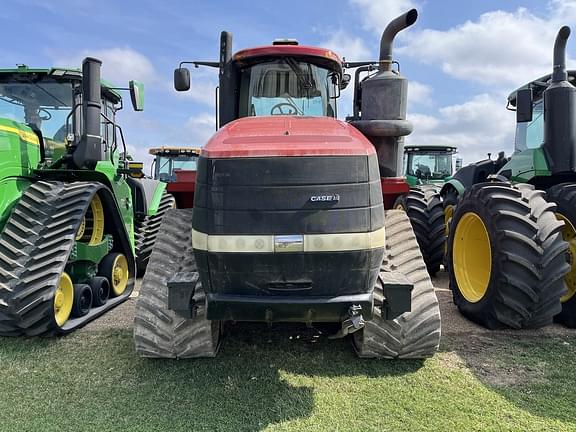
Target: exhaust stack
{"points": [[560, 112], [392, 29], [89, 150], [382, 116]]}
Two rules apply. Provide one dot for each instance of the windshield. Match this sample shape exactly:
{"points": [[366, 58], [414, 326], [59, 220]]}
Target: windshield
{"points": [[287, 87], [530, 135], [429, 166], [42, 105], [165, 166]]}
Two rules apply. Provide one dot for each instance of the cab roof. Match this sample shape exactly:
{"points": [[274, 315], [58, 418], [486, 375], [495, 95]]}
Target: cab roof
{"points": [[65, 73], [539, 85], [412, 148], [321, 56], [175, 151]]}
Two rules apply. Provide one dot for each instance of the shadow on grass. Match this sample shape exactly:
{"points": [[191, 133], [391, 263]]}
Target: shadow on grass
{"points": [[535, 373], [96, 379]]}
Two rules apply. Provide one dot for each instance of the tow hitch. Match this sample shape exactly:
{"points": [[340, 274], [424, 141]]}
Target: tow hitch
{"points": [[352, 324]]}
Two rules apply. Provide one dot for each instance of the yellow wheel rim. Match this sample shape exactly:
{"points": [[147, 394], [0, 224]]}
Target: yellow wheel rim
{"points": [[472, 257], [91, 229], [63, 299], [120, 275], [569, 235]]}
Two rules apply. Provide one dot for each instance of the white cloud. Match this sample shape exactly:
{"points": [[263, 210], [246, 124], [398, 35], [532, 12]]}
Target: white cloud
{"points": [[476, 127], [376, 14], [119, 65], [199, 128], [419, 94], [502, 49], [350, 47]]}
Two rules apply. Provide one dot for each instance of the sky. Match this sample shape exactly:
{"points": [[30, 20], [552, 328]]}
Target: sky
{"points": [[462, 58]]}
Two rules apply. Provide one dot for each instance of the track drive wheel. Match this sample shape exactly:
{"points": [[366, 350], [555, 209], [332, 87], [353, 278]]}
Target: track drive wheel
{"points": [[414, 334], [424, 208], [159, 332], [506, 256], [564, 196]]}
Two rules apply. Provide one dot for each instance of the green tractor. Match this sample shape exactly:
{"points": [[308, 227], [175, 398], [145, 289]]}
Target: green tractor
{"points": [[429, 164], [512, 239], [69, 199], [426, 169]]}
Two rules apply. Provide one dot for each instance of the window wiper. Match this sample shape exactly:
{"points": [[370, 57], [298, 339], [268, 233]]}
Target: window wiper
{"points": [[48, 93]]}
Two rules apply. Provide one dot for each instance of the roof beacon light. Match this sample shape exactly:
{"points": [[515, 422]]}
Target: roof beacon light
{"points": [[285, 42]]}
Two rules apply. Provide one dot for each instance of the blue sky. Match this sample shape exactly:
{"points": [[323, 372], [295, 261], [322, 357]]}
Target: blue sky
{"points": [[462, 58]]}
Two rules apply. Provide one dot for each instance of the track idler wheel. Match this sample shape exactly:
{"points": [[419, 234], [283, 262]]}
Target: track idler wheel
{"points": [[114, 267], [100, 290], [82, 300], [63, 299]]}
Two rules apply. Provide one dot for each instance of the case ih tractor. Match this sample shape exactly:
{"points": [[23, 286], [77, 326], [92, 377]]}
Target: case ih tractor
{"points": [[68, 203], [177, 167], [288, 223], [514, 223]]}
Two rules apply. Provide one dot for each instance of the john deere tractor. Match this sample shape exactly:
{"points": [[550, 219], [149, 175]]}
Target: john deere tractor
{"points": [[68, 201], [512, 241], [288, 223], [426, 169]]}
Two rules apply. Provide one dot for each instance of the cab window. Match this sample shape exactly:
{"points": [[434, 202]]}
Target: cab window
{"points": [[530, 135]]}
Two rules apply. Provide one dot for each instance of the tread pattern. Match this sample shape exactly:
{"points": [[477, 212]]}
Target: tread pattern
{"points": [[528, 262], [425, 210], [564, 195], [34, 249], [414, 334], [146, 231], [158, 331]]}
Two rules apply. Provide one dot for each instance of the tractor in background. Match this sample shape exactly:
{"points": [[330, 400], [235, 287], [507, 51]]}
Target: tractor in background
{"points": [[426, 169], [177, 167], [512, 235], [288, 223], [69, 199]]}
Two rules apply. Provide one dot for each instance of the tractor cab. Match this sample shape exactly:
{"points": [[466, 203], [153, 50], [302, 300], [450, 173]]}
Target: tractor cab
{"points": [[168, 161], [428, 164]]}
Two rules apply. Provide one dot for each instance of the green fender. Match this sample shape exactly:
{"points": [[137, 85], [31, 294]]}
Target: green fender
{"points": [[11, 190], [154, 203], [452, 183]]}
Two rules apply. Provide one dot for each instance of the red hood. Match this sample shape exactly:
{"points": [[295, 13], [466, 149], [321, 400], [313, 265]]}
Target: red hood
{"points": [[287, 136]]}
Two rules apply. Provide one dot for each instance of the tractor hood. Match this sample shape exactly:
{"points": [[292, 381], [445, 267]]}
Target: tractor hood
{"points": [[275, 136]]}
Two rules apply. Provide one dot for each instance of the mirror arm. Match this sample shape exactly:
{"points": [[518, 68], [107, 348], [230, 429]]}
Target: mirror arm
{"points": [[200, 63]]}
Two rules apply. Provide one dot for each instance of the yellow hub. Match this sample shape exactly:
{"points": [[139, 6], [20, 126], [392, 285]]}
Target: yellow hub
{"points": [[63, 299], [120, 275], [91, 229], [569, 235], [472, 257]]}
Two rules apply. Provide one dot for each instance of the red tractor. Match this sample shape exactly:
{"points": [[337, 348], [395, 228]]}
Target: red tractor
{"points": [[288, 223], [177, 167]]}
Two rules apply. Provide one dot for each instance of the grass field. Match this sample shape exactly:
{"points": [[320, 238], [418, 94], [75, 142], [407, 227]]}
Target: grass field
{"points": [[274, 381]]}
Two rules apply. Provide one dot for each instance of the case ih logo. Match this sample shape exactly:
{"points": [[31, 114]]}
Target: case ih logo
{"points": [[317, 198]]}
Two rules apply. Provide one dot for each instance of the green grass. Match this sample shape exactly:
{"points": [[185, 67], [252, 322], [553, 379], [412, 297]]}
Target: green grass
{"points": [[93, 381]]}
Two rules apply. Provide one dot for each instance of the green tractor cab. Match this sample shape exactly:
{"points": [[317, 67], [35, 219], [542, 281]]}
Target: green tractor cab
{"points": [[429, 164], [70, 201]]}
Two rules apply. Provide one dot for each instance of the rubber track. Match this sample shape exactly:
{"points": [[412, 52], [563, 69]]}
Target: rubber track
{"points": [[146, 231], [425, 210], [158, 331], [414, 334], [530, 254], [34, 249]]}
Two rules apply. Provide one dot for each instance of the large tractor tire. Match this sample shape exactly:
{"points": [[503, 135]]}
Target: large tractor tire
{"points": [[426, 214], [159, 332], [564, 196], [506, 257], [146, 232], [414, 334]]}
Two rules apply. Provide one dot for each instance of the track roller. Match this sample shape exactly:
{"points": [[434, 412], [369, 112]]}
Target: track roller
{"points": [[100, 290], [82, 300], [114, 267]]}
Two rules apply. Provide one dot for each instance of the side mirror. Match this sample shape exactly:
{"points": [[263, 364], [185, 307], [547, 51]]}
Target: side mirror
{"points": [[524, 105], [345, 81], [137, 95], [181, 79]]}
